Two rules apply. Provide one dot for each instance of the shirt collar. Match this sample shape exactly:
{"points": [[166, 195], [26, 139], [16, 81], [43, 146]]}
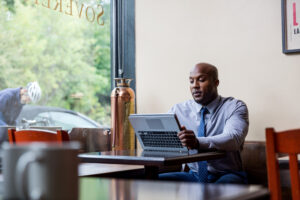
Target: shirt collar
{"points": [[211, 106]]}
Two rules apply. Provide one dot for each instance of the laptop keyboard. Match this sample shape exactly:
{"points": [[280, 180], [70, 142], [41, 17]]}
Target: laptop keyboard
{"points": [[160, 139]]}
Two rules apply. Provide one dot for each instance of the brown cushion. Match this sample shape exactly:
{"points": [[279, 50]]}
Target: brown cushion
{"points": [[254, 162]]}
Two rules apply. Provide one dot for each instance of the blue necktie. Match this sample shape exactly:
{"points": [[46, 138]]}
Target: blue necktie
{"points": [[202, 133]]}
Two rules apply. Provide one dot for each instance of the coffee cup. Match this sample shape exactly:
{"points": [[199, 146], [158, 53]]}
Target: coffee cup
{"points": [[41, 171]]}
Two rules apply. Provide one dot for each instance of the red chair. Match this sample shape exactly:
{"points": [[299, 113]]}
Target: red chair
{"points": [[286, 142], [37, 135]]}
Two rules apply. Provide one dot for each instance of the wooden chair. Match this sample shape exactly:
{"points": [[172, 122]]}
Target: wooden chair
{"points": [[37, 135], [286, 142]]}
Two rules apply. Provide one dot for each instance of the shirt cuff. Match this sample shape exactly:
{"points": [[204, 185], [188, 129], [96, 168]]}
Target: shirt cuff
{"points": [[203, 143]]}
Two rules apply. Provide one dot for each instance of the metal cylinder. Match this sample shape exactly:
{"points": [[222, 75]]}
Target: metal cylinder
{"points": [[122, 105]]}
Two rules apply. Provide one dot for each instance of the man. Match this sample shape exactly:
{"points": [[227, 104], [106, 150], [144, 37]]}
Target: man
{"points": [[12, 101], [211, 122]]}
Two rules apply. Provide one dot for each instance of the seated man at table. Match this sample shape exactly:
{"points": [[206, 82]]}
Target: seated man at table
{"points": [[211, 121]]}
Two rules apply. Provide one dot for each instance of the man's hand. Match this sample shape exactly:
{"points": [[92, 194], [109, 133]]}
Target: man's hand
{"points": [[188, 138]]}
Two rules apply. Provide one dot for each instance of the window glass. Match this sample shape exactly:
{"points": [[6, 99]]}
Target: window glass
{"points": [[65, 120], [63, 46]]}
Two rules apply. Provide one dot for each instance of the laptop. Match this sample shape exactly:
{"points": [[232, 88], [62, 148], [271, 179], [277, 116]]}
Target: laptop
{"points": [[157, 134]]}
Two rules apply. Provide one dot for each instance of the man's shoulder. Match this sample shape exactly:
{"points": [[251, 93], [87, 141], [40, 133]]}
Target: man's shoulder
{"points": [[188, 104], [231, 102], [9, 93], [186, 112]]}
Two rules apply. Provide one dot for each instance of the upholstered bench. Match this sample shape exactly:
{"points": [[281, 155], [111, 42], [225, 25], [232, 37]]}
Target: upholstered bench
{"points": [[254, 161]]}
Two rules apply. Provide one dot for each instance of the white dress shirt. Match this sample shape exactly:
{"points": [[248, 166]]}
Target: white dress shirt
{"points": [[226, 128]]}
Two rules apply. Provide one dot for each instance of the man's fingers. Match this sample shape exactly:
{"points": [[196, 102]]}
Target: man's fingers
{"points": [[183, 140], [187, 140], [181, 136], [187, 137], [187, 144], [185, 132]]}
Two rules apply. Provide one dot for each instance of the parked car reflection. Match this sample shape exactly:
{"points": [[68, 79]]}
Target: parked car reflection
{"points": [[55, 117]]}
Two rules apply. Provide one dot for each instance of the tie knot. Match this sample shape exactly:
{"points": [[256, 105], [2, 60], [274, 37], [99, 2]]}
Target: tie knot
{"points": [[203, 111]]}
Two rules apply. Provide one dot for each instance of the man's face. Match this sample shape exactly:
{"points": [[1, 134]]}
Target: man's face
{"points": [[24, 98], [202, 84]]}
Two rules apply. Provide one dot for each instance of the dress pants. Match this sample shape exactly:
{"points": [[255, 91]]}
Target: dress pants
{"points": [[191, 176]]}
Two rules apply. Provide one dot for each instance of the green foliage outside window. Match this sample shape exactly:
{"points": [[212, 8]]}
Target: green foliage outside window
{"points": [[69, 56]]}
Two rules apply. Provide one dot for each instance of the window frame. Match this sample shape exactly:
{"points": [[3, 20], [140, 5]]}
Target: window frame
{"points": [[123, 41]]}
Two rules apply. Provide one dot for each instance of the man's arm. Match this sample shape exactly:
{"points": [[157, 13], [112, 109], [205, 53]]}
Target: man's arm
{"points": [[2, 121], [233, 135], [231, 139], [5, 98]]}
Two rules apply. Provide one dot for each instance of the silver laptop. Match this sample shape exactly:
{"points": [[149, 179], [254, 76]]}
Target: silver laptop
{"points": [[157, 132]]}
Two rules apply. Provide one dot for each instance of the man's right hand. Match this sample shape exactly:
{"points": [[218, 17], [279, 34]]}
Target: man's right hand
{"points": [[188, 138]]}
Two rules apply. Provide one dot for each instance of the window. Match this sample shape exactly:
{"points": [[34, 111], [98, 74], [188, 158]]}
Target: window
{"points": [[66, 46], [66, 120]]}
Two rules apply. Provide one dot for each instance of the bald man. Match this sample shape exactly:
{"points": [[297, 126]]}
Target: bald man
{"points": [[211, 121]]}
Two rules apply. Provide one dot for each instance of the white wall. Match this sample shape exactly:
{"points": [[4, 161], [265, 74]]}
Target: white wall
{"points": [[241, 37]]}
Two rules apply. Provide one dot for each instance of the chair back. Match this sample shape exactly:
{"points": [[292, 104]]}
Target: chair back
{"points": [[37, 135], [284, 142]]}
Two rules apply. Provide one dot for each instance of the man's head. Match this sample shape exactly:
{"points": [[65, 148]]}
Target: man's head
{"points": [[24, 98], [204, 82], [32, 93]]}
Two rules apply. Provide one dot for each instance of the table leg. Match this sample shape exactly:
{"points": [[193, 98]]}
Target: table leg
{"points": [[151, 172]]}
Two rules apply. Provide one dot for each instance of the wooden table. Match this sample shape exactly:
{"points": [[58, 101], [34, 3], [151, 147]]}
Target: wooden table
{"points": [[116, 189], [108, 170], [151, 162]]}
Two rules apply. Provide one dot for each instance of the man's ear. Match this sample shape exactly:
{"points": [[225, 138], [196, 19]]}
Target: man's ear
{"points": [[217, 83]]}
